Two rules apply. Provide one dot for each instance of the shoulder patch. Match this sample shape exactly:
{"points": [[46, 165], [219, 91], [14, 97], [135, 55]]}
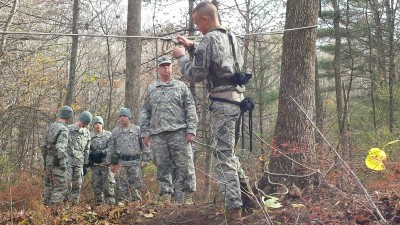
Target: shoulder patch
{"points": [[199, 58]]}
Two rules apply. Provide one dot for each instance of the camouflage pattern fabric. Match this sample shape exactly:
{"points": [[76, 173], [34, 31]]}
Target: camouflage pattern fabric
{"points": [[54, 148], [213, 60], [128, 145], [178, 194], [172, 147], [227, 166], [103, 179], [168, 114], [129, 180], [168, 107], [78, 154], [103, 183]]}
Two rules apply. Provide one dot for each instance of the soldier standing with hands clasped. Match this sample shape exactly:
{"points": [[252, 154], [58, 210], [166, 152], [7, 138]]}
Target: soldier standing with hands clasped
{"points": [[54, 148], [103, 180], [128, 156], [169, 123], [215, 60]]}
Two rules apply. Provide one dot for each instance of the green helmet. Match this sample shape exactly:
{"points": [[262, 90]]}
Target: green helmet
{"points": [[86, 117], [125, 112], [66, 112], [98, 119]]}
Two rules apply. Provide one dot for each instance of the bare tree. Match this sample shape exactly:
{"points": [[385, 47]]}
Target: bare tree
{"points": [[74, 54], [133, 58]]}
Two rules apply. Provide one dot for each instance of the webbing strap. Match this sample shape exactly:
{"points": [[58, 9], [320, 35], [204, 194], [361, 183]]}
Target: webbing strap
{"points": [[236, 65], [245, 105]]}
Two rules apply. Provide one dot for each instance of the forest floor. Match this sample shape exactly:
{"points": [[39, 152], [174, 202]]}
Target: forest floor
{"points": [[326, 204]]}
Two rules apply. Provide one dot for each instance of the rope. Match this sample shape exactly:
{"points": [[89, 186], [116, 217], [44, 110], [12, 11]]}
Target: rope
{"points": [[344, 163], [143, 36]]}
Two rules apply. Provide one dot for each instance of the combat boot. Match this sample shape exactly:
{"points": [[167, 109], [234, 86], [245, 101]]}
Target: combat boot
{"points": [[188, 198], [247, 196], [234, 216]]}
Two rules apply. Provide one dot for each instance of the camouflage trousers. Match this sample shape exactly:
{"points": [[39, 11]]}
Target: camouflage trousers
{"points": [[129, 180], [75, 176], [169, 148], [227, 167], [178, 194], [103, 183], [55, 183]]}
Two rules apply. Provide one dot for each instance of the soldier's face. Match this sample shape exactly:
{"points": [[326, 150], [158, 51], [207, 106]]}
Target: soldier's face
{"points": [[97, 127], [201, 22], [124, 120], [165, 69]]}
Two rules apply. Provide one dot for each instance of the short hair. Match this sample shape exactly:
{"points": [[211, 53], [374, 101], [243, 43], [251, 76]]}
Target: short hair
{"points": [[206, 9]]}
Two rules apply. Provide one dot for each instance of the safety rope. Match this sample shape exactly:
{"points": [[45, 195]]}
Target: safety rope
{"points": [[143, 36]]}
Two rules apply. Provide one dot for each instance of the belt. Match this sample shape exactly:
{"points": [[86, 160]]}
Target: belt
{"points": [[231, 95], [130, 157]]}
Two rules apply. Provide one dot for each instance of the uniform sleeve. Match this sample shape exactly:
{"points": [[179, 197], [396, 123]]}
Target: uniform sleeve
{"points": [[190, 111], [106, 149], [145, 151], [197, 69], [62, 144], [145, 117], [43, 143], [86, 150], [110, 148]]}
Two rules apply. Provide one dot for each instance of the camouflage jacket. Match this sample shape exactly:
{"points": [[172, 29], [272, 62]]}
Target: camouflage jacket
{"points": [[100, 141], [127, 143], [78, 145], [212, 58], [168, 107], [55, 140]]}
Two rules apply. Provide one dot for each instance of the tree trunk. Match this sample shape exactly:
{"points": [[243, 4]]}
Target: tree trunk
{"points": [[379, 42], [338, 77], [133, 59], [74, 54], [371, 73], [319, 115], [390, 14], [192, 86], [294, 133]]}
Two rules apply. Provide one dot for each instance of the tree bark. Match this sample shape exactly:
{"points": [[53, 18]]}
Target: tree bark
{"points": [[74, 54], [336, 69], [133, 59], [390, 14], [379, 42], [192, 86], [294, 133], [319, 115]]}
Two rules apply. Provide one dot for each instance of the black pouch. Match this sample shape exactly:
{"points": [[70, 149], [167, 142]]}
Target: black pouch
{"points": [[56, 161], [96, 156], [241, 78]]}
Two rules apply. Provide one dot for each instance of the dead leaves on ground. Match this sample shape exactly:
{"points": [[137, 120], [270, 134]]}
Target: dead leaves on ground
{"points": [[103, 214]]}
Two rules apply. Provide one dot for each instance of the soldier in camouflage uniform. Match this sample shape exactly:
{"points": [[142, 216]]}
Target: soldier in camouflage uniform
{"points": [[54, 148], [78, 155], [103, 181], [214, 61], [169, 122], [126, 144]]}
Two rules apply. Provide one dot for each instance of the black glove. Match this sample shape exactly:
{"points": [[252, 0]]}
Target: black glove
{"points": [[85, 167]]}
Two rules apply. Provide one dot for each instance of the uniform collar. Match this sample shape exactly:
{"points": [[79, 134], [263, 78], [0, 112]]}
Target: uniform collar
{"points": [[222, 29], [169, 83]]}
